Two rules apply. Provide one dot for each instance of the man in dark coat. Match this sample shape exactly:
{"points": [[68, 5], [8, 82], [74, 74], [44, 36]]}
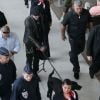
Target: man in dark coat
{"points": [[76, 21], [3, 20], [26, 87], [46, 17], [93, 50], [35, 40], [7, 74]]}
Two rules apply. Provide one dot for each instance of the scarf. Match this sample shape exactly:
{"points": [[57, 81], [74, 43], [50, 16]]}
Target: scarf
{"points": [[71, 95]]}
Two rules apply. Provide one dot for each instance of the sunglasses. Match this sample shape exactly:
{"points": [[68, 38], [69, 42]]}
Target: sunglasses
{"points": [[5, 32]]}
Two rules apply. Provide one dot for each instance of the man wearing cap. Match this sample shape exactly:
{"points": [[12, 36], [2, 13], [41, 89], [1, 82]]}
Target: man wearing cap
{"points": [[26, 87], [35, 40], [7, 74], [76, 21], [9, 40]]}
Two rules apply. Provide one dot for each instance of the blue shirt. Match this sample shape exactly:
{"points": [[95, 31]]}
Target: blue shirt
{"points": [[11, 43]]}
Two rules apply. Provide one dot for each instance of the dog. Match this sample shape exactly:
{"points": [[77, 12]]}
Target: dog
{"points": [[55, 84]]}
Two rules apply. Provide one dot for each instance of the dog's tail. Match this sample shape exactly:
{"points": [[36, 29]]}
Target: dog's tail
{"points": [[50, 75]]}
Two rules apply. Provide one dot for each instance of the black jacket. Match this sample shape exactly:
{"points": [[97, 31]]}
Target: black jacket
{"points": [[7, 76], [44, 11], [35, 31], [61, 97], [93, 48], [76, 24], [3, 20], [23, 90]]}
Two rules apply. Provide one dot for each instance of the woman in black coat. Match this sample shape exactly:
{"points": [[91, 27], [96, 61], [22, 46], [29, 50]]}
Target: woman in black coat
{"points": [[67, 93]]}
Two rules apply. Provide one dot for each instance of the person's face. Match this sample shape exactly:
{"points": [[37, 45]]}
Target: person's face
{"points": [[27, 77], [5, 34], [4, 59], [66, 88], [77, 8], [36, 17]]}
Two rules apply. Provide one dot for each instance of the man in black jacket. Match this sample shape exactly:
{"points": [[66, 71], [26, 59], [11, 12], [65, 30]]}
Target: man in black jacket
{"points": [[35, 40], [3, 20], [7, 74], [46, 16], [26, 87], [76, 21], [93, 50]]}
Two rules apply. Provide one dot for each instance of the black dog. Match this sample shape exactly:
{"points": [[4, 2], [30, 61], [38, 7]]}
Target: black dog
{"points": [[55, 84]]}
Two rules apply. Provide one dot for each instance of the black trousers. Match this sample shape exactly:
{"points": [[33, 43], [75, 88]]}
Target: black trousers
{"points": [[77, 46], [6, 97], [32, 58], [95, 66]]}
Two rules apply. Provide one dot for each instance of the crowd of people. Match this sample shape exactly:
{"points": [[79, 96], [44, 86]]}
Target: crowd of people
{"points": [[75, 21]]}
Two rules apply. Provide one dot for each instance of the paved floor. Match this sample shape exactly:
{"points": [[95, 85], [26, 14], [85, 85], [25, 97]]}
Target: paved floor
{"points": [[16, 12]]}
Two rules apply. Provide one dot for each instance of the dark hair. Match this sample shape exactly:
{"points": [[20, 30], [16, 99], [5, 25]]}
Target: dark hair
{"points": [[67, 82]]}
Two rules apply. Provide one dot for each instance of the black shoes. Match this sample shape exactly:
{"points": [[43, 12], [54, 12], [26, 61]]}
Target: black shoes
{"points": [[76, 75]]}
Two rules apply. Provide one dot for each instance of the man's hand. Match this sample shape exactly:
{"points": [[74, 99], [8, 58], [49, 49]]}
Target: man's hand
{"points": [[63, 36], [43, 49], [11, 54], [89, 58]]}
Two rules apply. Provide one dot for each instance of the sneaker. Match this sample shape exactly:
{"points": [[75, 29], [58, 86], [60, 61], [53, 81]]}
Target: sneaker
{"points": [[76, 75]]}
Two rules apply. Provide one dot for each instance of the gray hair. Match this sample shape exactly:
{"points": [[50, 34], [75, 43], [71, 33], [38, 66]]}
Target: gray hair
{"points": [[77, 2], [5, 29]]}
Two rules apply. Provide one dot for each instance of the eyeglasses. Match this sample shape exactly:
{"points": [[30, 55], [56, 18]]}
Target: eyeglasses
{"points": [[5, 32]]}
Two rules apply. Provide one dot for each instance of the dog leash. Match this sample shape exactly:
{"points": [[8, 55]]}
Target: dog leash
{"points": [[38, 46]]}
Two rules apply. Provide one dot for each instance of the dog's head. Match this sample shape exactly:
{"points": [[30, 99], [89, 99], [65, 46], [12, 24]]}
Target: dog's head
{"points": [[76, 86]]}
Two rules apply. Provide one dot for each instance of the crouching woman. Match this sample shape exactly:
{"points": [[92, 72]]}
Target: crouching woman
{"points": [[67, 92]]}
